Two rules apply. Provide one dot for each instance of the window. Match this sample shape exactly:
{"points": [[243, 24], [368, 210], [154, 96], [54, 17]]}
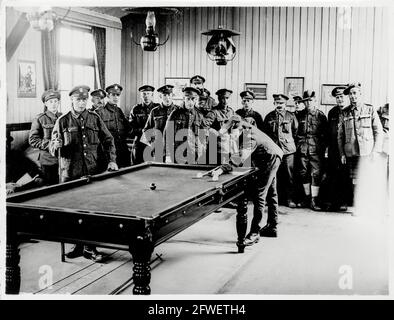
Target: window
{"points": [[77, 61]]}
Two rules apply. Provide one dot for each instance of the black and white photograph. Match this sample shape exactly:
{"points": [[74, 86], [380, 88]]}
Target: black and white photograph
{"points": [[203, 150]]}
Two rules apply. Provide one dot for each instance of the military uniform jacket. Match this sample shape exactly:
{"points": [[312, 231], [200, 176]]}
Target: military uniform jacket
{"points": [[81, 135], [259, 146], [218, 116], [251, 116], [360, 131], [138, 116], [383, 113], [333, 121], [312, 132], [282, 127], [40, 136], [119, 127], [182, 118], [158, 117]]}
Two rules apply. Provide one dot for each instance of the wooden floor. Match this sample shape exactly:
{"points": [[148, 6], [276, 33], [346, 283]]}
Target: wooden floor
{"points": [[310, 256]]}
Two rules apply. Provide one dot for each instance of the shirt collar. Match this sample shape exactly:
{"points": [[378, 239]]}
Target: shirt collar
{"points": [[110, 106], [76, 115], [52, 115]]}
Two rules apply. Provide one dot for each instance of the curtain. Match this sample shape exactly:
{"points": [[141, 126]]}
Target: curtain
{"points": [[50, 59], [99, 41]]}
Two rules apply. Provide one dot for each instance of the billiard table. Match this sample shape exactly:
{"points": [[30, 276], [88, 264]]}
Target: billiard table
{"points": [[119, 210]]}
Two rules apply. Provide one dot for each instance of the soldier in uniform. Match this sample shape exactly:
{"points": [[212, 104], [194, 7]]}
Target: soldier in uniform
{"points": [[281, 126], [247, 113], [77, 136], [117, 124], [298, 187], [311, 145], [299, 105], [40, 135], [383, 113], [198, 83], [215, 120], [264, 154], [158, 118], [337, 173], [98, 97], [178, 133], [138, 116], [360, 131]]}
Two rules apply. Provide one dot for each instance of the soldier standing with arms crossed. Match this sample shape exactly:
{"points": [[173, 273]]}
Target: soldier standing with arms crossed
{"points": [[138, 116]]}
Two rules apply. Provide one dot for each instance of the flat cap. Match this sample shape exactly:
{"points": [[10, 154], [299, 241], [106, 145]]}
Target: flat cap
{"points": [[280, 97], [98, 93], [338, 90], [166, 89], [146, 87], [197, 79], [114, 88], [224, 92], [191, 91], [351, 86], [50, 94], [247, 94], [308, 95], [297, 98], [204, 94], [81, 91]]}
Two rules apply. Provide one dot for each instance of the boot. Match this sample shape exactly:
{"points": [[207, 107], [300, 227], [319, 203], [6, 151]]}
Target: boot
{"points": [[252, 238], [77, 251], [91, 253], [314, 206], [269, 231]]}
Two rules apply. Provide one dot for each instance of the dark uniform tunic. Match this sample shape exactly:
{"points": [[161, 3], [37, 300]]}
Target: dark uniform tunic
{"points": [[157, 120], [251, 116], [338, 183], [190, 121], [311, 142], [265, 155], [119, 127], [282, 128], [82, 135], [383, 113], [39, 137], [215, 120], [138, 116]]}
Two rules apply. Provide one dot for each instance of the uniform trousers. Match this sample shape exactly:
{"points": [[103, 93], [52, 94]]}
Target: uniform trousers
{"points": [[264, 192], [310, 168]]}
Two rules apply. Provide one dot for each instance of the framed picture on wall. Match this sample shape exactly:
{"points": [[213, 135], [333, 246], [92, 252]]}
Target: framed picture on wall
{"points": [[27, 79], [259, 90], [179, 84], [294, 86], [326, 97]]}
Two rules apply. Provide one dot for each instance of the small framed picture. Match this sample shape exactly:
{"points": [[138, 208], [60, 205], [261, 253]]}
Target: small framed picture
{"points": [[326, 97], [27, 79], [178, 83], [294, 86], [259, 90]]}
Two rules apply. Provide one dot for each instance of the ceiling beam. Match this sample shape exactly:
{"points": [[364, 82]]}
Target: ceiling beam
{"points": [[16, 35]]}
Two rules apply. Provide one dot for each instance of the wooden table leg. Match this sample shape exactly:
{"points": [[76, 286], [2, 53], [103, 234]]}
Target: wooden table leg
{"points": [[242, 222], [13, 271], [141, 249]]}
